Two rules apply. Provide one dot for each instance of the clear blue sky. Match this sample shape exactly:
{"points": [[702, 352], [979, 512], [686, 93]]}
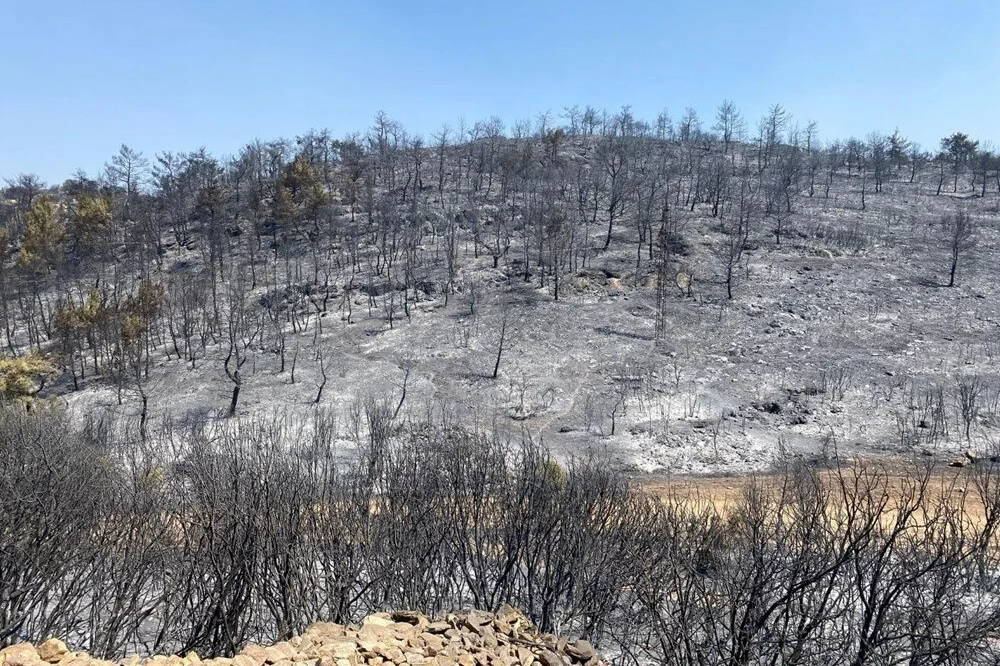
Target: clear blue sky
{"points": [[80, 78]]}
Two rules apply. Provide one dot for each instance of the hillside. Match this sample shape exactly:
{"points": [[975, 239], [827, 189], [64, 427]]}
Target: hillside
{"points": [[680, 300]]}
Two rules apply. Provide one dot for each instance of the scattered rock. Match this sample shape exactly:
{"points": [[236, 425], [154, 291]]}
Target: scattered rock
{"points": [[400, 638]]}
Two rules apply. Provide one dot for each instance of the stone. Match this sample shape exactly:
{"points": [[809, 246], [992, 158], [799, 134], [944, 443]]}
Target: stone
{"points": [[323, 630], [341, 648], [508, 614], [409, 617], [256, 653], [432, 642], [371, 632], [489, 637], [20, 654], [52, 650], [581, 650], [378, 620], [395, 655], [476, 619], [307, 649], [401, 638], [278, 652], [549, 658]]}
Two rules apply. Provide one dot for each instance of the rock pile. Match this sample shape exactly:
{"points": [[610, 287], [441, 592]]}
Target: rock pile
{"points": [[506, 638]]}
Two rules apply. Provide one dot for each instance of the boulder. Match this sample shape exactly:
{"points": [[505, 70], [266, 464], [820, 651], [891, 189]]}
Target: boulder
{"points": [[19, 654], [52, 650]]}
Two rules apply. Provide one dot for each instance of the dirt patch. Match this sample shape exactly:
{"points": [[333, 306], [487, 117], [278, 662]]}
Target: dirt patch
{"points": [[958, 487]]}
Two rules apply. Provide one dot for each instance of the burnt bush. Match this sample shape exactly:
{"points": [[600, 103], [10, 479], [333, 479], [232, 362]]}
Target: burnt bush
{"points": [[221, 534]]}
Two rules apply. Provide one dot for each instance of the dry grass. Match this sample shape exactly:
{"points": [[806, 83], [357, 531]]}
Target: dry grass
{"points": [[955, 487]]}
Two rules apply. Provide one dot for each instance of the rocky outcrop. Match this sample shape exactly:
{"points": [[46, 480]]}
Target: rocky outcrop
{"points": [[506, 638]]}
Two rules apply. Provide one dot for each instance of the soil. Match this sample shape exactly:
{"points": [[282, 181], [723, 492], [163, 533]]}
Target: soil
{"points": [[839, 341]]}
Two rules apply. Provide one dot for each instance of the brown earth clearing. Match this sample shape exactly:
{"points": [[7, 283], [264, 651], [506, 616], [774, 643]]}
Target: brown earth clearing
{"points": [[957, 484]]}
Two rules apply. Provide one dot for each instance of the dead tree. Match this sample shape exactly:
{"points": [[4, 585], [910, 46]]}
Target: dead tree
{"points": [[961, 238], [244, 325]]}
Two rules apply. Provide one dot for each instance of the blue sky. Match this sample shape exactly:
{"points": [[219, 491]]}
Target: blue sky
{"points": [[80, 78]]}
